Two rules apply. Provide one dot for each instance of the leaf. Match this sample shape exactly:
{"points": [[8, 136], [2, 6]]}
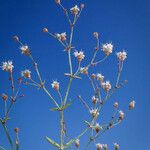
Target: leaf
{"points": [[52, 142], [54, 109]]}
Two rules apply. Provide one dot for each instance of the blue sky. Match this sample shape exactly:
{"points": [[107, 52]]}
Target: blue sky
{"points": [[124, 23]]}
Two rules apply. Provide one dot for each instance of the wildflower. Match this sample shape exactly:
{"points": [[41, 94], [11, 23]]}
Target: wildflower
{"points": [[95, 34], [55, 85], [132, 105], [121, 115], [100, 77], [94, 100], [16, 130], [57, 1], [75, 10], [116, 146], [7, 66], [94, 112], [79, 55], [61, 36], [4, 97], [84, 70], [121, 56], [77, 143], [93, 76], [26, 73], [97, 127], [105, 146], [106, 85], [25, 50], [45, 30], [116, 104], [107, 48], [99, 146]]}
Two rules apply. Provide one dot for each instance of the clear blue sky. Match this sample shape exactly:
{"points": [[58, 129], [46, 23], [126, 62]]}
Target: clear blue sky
{"points": [[124, 23]]}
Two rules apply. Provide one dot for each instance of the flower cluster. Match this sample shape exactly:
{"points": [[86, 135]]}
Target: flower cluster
{"points": [[26, 73], [100, 77], [100, 146], [7, 66], [94, 112], [106, 85], [61, 36], [84, 70], [107, 48], [75, 10], [55, 85], [121, 56], [25, 49], [79, 55]]}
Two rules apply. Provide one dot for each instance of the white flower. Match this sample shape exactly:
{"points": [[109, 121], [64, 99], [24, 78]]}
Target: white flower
{"points": [[84, 70], [61, 36], [94, 112], [100, 77], [122, 55], [99, 146], [107, 48], [106, 85], [97, 127], [55, 85], [7, 66], [79, 55], [121, 115], [131, 105], [75, 10], [26, 73], [77, 143], [94, 100], [25, 49]]}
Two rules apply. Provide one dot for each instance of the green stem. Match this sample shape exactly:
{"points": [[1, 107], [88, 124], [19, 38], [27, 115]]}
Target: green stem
{"points": [[61, 129]]}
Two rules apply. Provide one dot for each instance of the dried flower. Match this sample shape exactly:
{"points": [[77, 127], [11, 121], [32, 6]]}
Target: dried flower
{"points": [[94, 100], [100, 77], [131, 105], [7, 66], [26, 73], [116, 104], [57, 1], [116, 146], [25, 50], [95, 34], [16, 130], [75, 10], [55, 85], [106, 85], [105, 146], [107, 48], [45, 30], [94, 112], [121, 56], [84, 70], [99, 146], [4, 97], [61, 36], [77, 143], [121, 115], [97, 127], [79, 55]]}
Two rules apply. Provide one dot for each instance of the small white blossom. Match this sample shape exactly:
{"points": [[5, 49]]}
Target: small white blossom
{"points": [[107, 48], [26, 73], [132, 105], [100, 77], [77, 143], [79, 55], [55, 85], [75, 10], [121, 115], [94, 112], [116, 146], [99, 146], [61, 36], [7, 66], [106, 85], [121, 56], [94, 99], [97, 127], [25, 49]]}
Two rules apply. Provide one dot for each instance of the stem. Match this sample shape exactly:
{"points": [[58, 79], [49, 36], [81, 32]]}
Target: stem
{"points": [[61, 129]]}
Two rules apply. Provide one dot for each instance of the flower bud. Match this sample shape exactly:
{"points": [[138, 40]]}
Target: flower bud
{"points": [[95, 34], [105, 147], [116, 146], [93, 76], [4, 97], [99, 146], [121, 115], [116, 104], [82, 6], [77, 143], [16, 130], [132, 105], [57, 1], [97, 127], [45, 30], [16, 38]]}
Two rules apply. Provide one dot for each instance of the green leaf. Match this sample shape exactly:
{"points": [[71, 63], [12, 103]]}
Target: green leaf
{"points": [[52, 142]]}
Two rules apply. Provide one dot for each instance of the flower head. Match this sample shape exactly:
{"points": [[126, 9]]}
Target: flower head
{"points": [[79, 55], [75, 10], [121, 115], [106, 85], [100, 77], [105, 146], [61, 36], [26, 73], [116, 146], [121, 56], [7, 66], [55, 85], [94, 112], [4, 97], [107, 48], [25, 50], [99, 146], [94, 100], [57, 1], [77, 143], [132, 105], [116, 104], [84, 70], [97, 127]]}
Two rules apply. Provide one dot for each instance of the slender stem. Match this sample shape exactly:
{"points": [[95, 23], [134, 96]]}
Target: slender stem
{"points": [[61, 129]]}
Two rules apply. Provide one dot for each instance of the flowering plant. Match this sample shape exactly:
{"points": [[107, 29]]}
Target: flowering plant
{"points": [[97, 81]]}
